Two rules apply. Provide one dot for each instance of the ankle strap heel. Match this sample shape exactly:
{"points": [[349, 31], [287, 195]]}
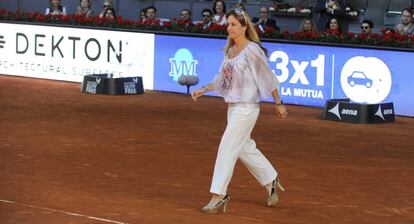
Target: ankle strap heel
{"points": [[220, 206], [273, 197]]}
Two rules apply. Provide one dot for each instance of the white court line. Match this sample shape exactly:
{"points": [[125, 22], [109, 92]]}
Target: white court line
{"points": [[63, 212]]}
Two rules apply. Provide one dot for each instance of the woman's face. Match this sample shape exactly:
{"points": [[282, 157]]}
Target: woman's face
{"points": [[234, 28], [84, 3], [109, 14], [307, 25], [55, 2], [219, 7], [333, 25]]}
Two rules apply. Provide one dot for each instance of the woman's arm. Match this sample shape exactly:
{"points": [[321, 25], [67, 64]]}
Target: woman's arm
{"points": [[203, 90], [280, 108]]}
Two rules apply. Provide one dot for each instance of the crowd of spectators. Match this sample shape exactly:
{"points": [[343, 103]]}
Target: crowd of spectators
{"points": [[327, 21], [212, 21]]}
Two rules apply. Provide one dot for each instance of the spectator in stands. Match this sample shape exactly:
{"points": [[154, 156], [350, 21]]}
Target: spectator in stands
{"points": [[219, 9], [110, 13], [264, 21], [151, 13], [407, 26], [105, 4], [84, 8], [333, 27], [328, 9], [185, 17], [151, 16], [308, 26], [207, 15], [367, 26], [240, 5], [55, 8], [142, 14], [388, 30]]}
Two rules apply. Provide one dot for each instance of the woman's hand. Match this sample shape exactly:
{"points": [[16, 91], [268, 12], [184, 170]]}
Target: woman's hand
{"points": [[197, 93], [281, 111], [280, 108]]}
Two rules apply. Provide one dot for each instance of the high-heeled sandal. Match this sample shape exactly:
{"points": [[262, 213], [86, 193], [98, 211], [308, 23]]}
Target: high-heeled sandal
{"points": [[273, 198], [217, 207]]}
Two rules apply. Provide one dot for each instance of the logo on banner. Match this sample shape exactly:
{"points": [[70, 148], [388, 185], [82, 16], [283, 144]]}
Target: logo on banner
{"points": [[2, 41], [183, 63], [301, 78], [335, 110], [51, 45], [386, 112], [91, 86], [345, 111], [366, 80], [129, 87]]}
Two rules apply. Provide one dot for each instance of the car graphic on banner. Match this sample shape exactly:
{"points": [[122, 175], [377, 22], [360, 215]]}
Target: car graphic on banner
{"points": [[359, 78]]}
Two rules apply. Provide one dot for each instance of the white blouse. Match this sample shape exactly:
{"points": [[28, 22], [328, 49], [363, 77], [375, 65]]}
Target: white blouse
{"points": [[223, 20], [246, 77], [53, 12]]}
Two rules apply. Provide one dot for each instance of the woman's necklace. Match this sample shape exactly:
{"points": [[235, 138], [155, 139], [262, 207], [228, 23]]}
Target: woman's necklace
{"points": [[235, 50]]}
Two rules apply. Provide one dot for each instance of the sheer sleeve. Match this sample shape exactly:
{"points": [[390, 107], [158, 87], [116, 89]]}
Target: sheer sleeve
{"points": [[265, 79], [218, 83]]}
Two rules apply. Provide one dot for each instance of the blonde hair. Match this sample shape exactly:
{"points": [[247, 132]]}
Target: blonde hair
{"points": [[251, 34], [313, 25]]}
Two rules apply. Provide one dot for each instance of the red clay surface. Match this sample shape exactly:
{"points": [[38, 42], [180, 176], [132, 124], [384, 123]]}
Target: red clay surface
{"points": [[149, 159]]}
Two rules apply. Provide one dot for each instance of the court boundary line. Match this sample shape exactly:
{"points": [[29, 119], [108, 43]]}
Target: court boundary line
{"points": [[62, 212]]}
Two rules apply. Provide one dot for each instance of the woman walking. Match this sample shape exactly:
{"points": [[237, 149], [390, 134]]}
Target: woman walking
{"points": [[243, 78]]}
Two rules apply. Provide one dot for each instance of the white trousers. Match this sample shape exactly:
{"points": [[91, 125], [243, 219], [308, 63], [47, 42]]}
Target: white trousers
{"points": [[237, 144]]}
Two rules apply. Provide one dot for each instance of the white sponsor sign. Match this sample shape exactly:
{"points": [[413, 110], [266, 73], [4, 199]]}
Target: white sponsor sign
{"points": [[366, 79], [68, 54]]}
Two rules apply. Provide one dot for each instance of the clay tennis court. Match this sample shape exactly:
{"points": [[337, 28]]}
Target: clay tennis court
{"points": [[69, 157]]}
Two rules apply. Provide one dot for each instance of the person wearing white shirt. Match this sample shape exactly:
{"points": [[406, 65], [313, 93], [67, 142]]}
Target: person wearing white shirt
{"points": [[55, 8], [219, 9], [244, 77]]}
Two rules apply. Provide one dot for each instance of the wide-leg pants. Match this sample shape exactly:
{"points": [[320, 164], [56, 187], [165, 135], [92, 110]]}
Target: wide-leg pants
{"points": [[237, 144]]}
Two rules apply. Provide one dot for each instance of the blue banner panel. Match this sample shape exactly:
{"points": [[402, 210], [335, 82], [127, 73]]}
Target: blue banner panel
{"points": [[175, 56], [304, 73], [309, 74], [375, 76]]}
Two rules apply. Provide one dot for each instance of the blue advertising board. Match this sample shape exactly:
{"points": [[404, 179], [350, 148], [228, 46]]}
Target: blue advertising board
{"points": [[309, 74], [175, 56]]}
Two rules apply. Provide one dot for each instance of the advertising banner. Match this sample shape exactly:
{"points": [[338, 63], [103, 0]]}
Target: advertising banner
{"points": [[69, 54], [309, 74]]}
